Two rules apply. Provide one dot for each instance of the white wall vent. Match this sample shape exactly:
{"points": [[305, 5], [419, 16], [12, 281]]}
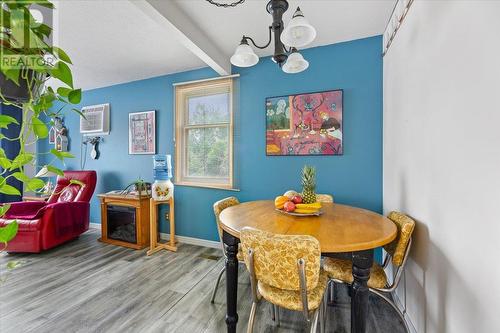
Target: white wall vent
{"points": [[96, 121]]}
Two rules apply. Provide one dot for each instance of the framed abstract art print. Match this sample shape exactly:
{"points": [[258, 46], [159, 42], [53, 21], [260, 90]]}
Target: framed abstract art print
{"points": [[305, 124]]}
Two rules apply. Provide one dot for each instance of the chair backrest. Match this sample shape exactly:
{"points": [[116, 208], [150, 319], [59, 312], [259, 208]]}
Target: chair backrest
{"points": [[324, 198], [65, 191], [219, 206], [397, 248], [275, 258]]}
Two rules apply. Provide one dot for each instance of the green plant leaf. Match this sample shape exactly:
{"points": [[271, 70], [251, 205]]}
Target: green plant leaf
{"points": [[64, 92], [8, 232], [55, 170], [3, 209], [77, 182], [7, 120], [61, 54], [44, 29], [4, 18], [18, 27], [35, 184], [62, 72], [9, 190], [32, 184], [20, 160], [56, 153], [40, 129], [75, 96], [12, 74], [36, 41], [5, 163], [13, 264], [21, 177], [61, 155], [47, 98]]}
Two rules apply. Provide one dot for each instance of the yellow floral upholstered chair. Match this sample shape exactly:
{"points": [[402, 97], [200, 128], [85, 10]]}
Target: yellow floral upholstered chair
{"points": [[324, 198], [286, 271], [340, 271], [219, 206]]}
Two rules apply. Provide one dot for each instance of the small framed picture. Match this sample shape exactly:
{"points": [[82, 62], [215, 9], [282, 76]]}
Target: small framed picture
{"points": [[142, 133], [52, 135]]}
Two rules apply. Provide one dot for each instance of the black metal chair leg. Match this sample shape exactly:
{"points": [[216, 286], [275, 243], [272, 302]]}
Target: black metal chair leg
{"points": [[217, 284]]}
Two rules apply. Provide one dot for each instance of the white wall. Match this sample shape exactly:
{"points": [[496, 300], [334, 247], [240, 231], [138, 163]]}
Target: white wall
{"points": [[442, 160]]}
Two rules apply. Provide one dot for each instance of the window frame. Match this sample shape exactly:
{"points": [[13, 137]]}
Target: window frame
{"points": [[182, 92]]}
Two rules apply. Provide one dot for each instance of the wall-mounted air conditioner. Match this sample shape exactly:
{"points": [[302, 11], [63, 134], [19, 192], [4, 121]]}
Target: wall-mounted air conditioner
{"points": [[96, 121]]}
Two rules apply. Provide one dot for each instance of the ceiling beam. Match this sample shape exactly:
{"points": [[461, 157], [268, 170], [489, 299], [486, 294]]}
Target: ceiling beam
{"points": [[187, 32]]}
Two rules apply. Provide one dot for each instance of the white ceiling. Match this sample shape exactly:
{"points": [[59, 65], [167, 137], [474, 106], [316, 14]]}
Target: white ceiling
{"points": [[335, 20], [113, 41]]}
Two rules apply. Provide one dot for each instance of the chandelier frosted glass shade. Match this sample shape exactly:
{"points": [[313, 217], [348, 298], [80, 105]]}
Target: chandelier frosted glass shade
{"points": [[298, 32], [244, 56], [295, 63]]}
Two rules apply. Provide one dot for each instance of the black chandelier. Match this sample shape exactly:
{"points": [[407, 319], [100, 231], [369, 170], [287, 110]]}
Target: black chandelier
{"points": [[225, 5], [297, 34]]}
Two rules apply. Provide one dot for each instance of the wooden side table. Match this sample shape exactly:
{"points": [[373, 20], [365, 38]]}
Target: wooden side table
{"points": [[153, 211]]}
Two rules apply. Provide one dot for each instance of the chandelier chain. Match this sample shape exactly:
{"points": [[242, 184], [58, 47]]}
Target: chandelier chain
{"points": [[225, 5]]}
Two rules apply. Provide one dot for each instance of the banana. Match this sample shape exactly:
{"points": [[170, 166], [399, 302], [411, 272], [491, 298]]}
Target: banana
{"points": [[316, 205], [305, 211]]}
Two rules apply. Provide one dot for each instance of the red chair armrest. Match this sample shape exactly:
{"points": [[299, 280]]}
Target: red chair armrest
{"points": [[77, 205], [25, 210]]}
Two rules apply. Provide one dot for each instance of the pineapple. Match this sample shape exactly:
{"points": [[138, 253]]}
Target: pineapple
{"points": [[308, 184]]}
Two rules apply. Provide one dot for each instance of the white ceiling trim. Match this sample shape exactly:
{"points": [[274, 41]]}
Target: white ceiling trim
{"points": [[187, 32]]}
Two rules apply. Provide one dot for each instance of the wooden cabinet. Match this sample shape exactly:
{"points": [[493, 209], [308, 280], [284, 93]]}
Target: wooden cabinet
{"points": [[125, 220]]}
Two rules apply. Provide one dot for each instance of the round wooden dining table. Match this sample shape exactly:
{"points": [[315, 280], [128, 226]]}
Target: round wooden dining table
{"points": [[339, 229]]}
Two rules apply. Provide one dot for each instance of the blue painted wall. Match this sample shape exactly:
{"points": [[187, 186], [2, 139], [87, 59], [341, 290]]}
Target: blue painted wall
{"points": [[354, 178], [11, 148]]}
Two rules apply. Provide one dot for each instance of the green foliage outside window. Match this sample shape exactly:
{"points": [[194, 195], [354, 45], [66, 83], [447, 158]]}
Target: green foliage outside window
{"points": [[208, 144]]}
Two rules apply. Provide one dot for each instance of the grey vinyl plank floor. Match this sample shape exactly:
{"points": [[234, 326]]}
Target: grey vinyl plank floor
{"points": [[88, 286]]}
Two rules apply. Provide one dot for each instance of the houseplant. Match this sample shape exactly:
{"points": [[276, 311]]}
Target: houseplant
{"points": [[27, 62]]}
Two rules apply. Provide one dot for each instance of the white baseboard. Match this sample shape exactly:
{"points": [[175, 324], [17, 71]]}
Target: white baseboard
{"points": [[180, 239], [193, 241], [407, 317]]}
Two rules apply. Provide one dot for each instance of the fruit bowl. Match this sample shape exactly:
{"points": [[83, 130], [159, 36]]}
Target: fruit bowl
{"points": [[316, 213], [295, 206]]}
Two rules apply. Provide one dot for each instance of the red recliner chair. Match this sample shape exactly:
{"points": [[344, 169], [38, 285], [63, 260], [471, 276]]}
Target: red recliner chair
{"points": [[44, 225]]}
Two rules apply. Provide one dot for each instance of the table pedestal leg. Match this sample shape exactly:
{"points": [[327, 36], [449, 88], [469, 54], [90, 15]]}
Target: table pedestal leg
{"points": [[361, 265], [231, 244]]}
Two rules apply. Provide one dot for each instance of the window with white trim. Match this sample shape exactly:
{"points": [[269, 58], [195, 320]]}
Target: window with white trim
{"points": [[204, 134]]}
